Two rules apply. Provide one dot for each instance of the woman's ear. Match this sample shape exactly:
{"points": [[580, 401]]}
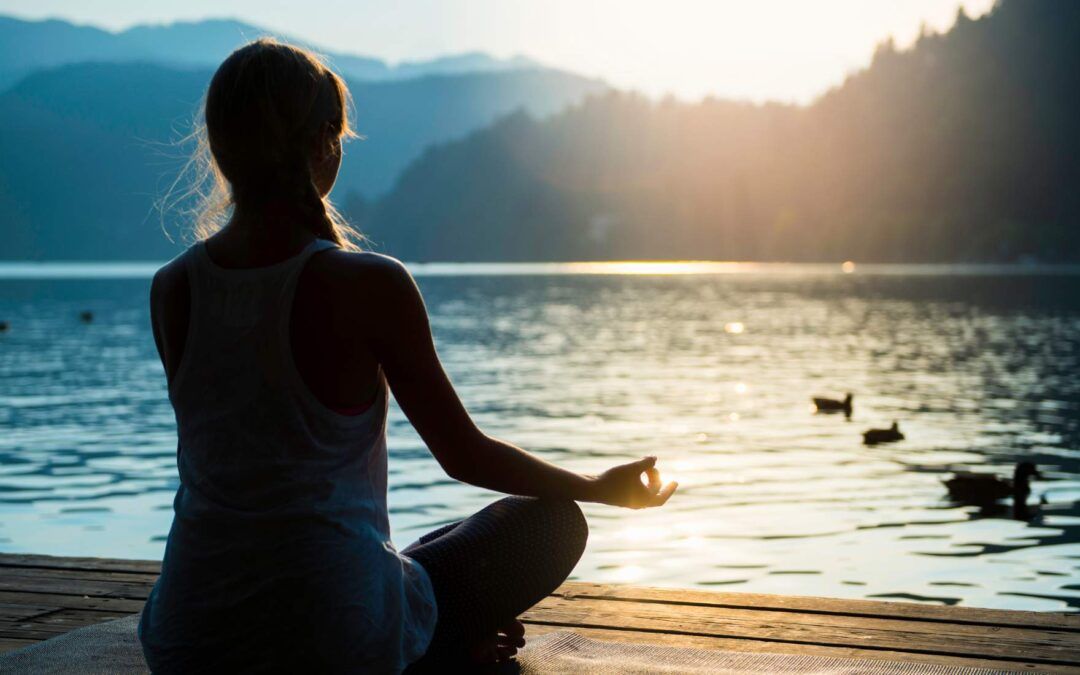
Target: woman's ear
{"points": [[327, 143]]}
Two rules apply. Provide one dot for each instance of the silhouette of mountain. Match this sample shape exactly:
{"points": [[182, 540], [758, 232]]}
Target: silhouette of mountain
{"points": [[87, 148], [27, 46], [965, 147]]}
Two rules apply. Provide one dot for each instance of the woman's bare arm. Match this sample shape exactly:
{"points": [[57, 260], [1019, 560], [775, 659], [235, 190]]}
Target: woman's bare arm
{"points": [[400, 336]]}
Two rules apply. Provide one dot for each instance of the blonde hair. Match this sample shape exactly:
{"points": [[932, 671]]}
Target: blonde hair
{"points": [[265, 106]]}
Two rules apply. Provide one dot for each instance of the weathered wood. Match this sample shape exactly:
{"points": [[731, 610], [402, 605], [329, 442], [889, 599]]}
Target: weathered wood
{"points": [[1039, 646], [17, 611], [77, 575], [54, 623], [74, 587], [59, 601], [44, 596], [736, 645], [804, 604], [95, 564]]}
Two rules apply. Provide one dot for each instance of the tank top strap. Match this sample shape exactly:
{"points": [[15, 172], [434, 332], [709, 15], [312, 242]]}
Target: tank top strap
{"points": [[227, 304], [295, 267]]}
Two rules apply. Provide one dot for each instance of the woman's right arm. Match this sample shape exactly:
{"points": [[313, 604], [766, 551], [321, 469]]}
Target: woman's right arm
{"points": [[400, 337]]}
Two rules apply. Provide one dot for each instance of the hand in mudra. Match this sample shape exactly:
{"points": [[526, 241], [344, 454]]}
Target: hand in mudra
{"points": [[622, 485]]}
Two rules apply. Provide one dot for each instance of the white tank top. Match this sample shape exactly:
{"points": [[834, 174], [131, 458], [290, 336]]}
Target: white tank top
{"points": [[280, 516]]}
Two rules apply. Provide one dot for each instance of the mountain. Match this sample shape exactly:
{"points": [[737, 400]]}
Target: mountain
{"points": [[28, 46], [88, 148], [965, 147]]}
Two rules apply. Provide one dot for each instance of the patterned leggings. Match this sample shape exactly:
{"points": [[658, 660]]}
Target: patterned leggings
{"points": [[494, 565]]}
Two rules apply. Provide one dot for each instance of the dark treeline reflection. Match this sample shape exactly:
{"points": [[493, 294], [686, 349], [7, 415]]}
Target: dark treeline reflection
{"points": [[964, 147]]}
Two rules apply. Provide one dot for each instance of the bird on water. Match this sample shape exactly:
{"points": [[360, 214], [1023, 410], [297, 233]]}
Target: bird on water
{"points": [[831, 405], [890, 435], [983, 489]]}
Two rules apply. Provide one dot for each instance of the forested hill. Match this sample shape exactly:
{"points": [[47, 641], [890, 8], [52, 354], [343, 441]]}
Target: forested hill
{"points": [[965, 147], [86, 150]]}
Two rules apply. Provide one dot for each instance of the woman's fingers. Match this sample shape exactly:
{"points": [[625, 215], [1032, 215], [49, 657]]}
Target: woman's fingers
{"points": [[660, 498], [653, 476], [625, 487]]}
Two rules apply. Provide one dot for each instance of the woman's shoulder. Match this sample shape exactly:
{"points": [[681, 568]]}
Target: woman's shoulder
{"points": [[347, 275], [170, 279], [349, 267]]}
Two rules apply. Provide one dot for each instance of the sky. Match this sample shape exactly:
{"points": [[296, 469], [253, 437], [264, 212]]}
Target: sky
{"points": [[783, 50]]}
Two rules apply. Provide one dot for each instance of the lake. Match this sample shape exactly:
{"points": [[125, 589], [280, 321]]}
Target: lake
{"points": [[709, 366]]}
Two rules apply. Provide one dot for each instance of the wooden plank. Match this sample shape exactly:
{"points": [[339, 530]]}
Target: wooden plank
{"points": [[727, 644], [56, 623], [44, 596], [1038, 646], [800, 604], [58, 562], [913, 611], [77, 574], [15, 611], [71, 601], [103, 589]]}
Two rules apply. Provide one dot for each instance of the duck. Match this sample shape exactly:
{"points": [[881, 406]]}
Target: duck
{"points": [[4, 326], [983, 489], [831, 405], [875, 436], [86, 316]]}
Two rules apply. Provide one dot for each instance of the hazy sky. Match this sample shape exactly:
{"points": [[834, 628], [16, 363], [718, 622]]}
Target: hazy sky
{"points": [[758, 49]]}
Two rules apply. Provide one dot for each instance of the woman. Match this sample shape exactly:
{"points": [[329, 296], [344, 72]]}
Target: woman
{"points": [[279, 340]]}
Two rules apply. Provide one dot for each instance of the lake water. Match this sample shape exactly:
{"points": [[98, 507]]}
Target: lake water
{"points": [[711, 367]]}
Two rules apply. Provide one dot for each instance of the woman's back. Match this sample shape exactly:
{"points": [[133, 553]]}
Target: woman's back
{"points": [[279, 356], [278, 492]]}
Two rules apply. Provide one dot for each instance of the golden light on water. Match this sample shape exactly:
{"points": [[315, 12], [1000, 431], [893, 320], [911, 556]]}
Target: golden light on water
{"points": [[741, 388], [628, 573], [661, 267], [642, 535], [735, 327], [848, 267]]}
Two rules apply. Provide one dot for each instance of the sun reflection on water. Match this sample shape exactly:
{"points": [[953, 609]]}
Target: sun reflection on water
{"points": [[592, 371]]}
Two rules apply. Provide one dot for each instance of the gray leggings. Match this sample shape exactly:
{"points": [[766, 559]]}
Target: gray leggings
{"points": [[494, 565]]}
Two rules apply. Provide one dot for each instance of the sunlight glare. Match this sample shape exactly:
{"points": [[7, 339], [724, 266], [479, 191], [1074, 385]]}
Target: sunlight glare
{"points": [[848, 267], [735, 327], [641, 535], [628, 573], [660, 268]]}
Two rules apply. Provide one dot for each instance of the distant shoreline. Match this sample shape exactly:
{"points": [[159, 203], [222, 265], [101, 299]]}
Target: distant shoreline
{"points": [[17, 270]]}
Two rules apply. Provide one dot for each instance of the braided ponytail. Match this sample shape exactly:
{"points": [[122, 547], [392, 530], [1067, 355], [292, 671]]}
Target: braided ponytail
{"points": [[267, 104], [295, 180]]}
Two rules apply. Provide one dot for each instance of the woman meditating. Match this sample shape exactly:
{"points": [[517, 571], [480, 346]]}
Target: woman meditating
{"points": [[279, 340]]}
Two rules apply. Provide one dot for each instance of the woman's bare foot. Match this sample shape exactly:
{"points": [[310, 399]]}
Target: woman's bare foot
{"points": [[500, 646]]}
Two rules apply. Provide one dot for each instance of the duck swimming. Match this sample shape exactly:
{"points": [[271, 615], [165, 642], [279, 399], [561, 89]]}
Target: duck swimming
{"points": [[3, 326], [983, 489], [86, 316], [830, 405], [875, 436]]}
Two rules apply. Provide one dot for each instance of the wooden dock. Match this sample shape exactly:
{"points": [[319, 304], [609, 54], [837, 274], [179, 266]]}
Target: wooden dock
{"points": [[42, 596]]}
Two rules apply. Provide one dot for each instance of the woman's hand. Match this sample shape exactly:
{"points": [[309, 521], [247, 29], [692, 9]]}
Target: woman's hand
{"points": [[622, 486]]}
